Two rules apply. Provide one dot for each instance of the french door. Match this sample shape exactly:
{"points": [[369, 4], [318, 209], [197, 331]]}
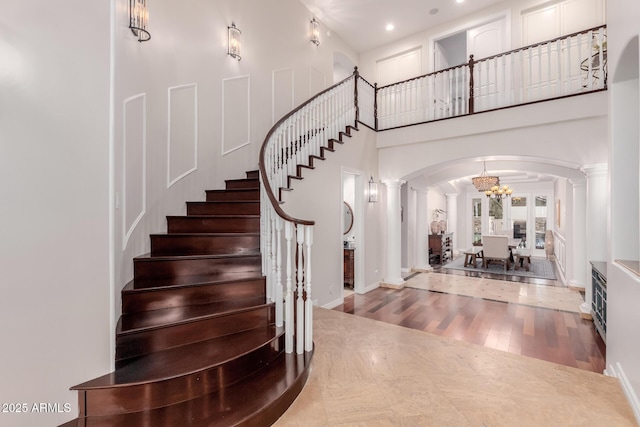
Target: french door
{"points": [[523, 216]]}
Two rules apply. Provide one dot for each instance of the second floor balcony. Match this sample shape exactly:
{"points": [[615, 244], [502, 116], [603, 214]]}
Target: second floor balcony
{"points": [[562, 67]]}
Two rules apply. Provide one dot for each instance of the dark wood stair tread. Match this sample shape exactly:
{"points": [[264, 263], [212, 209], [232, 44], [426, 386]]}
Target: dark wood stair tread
{"points": [[184, 360], [206, 234], [148, 258], [224, 207], [214, 216], [182, 244], [204, 281], [194, 279], [136, 322], [234, 190], [257, 400]]}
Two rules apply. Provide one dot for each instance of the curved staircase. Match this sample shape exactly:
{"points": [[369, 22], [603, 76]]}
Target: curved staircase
{"points": [[197, 343]]}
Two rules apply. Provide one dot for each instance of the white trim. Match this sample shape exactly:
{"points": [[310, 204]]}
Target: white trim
{"points": [[273, 91], [324, 81], [506, 14], [627, 387], [334, 303], [195, 133], [371, 287], [113, 317], [127, 233], [244, 144], [541, 6], [359, 224]]}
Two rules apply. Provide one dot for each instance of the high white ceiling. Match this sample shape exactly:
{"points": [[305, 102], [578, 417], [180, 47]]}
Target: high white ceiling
{"points": [[361, 23]]}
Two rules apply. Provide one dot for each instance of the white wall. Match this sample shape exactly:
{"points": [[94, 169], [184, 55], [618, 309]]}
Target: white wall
{"points": [[54, 249], [513, 9], [61, 298], [623, 340], [188, 47], [318, 197], [570, 131]]}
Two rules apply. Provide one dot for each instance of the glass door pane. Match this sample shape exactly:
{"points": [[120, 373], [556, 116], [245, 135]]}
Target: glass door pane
{"points": [[476, 221], [496, 222], [519, 217], [540, 223]]}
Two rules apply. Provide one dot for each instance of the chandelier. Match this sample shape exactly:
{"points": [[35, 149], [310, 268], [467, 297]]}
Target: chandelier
{"points": [[485, 182], [498, 192]]}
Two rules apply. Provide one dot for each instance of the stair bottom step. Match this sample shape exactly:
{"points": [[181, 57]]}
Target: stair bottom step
{"points": [[257, 400]]}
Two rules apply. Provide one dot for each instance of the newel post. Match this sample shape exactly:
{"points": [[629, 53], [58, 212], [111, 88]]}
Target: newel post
{"points": [[375, 105], [356, 75], [471, 84]]}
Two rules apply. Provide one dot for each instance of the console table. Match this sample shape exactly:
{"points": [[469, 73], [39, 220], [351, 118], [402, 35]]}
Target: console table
{"points": [[441, 246]]}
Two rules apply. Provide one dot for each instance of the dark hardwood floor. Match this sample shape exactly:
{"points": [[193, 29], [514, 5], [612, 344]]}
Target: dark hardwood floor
{"points": [[551, 335]]}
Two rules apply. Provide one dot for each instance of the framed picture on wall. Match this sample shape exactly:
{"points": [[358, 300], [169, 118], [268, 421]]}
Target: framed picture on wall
{"points": [[558, 212]]}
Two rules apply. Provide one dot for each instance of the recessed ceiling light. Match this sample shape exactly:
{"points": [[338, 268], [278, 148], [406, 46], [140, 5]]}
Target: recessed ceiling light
{"points": [[459, 1], [390, 27], [434, 11]]}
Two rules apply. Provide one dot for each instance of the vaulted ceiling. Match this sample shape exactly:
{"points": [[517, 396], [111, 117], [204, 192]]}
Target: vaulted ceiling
{"points": [[362, 23]]}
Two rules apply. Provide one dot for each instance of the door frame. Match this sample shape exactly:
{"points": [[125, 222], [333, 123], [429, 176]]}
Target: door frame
{"points": [[505, 14], [358, 227]]}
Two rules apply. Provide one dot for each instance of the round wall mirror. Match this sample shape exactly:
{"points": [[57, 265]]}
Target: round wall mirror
{"points": [[347, 217]]}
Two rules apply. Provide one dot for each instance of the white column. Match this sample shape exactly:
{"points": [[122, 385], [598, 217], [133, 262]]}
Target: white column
{"points": [[393, 276], [452, 218], [577, 277], [596, 238], [422, 230]]}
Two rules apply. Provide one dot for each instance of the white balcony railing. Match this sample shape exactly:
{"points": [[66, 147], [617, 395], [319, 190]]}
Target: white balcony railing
{"points": [[286, 242], [566, 66]]}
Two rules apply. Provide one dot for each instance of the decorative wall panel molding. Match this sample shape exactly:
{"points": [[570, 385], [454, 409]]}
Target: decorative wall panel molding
{"points": [[282, 92], [182, 132], [317, 81], [236, 118], [134, 163]]}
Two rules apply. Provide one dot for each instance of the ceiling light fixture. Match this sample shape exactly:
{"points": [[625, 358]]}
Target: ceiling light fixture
{"points": [[390, 27], [459, 1], [498, 192], [485, 182]]}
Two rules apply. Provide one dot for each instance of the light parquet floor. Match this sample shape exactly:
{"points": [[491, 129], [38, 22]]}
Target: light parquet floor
{"points": [[415, 357], [367, 373]]}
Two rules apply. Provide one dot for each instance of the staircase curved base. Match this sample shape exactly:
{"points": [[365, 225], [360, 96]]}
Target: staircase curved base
{"points": [[258, 400]]}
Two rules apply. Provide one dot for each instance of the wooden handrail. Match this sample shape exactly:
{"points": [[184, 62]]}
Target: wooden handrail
{"points": [[494, 56], [261, 162], [540, 43]]}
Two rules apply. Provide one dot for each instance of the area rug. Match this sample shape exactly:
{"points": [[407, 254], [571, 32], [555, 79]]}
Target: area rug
{"points": [[539, 268]]}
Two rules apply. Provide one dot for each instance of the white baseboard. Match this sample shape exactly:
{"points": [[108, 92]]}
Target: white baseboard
{"points": [[336, 302], [371, 287], [560, 273], [333, 304], [617, 372]]}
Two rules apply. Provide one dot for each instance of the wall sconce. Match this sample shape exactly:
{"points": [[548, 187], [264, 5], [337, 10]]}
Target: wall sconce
{"points": [[233, 47], [139, 19], [373, 191], [315, 32]]}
